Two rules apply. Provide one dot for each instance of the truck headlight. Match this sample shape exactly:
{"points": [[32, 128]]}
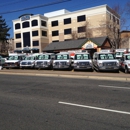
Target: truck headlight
{"points": [[48, 63], [68, 63], [90, 63], [100, 64], [117, 63], [33, 63]]}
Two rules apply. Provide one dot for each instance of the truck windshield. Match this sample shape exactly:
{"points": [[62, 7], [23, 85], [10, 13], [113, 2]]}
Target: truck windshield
{"points": [[62, 56], [13, 57], [127, 57], [82, 56], [119, 53], [29, 58], [106, 56], [43, 57]]}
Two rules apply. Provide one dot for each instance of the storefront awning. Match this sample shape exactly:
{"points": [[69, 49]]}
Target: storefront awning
{"points": [[18, 51]]}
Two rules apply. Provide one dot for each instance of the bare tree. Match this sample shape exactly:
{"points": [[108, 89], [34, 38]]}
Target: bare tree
{"points": [[112, 27], [127, 13], [83, 31], [74, 35]]}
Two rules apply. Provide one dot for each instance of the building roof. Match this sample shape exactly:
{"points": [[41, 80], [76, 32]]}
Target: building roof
{"points": [[74, 44]]}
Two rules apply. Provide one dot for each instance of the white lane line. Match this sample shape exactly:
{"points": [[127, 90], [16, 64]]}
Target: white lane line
{"points": [[96, 108], [114, 87]]}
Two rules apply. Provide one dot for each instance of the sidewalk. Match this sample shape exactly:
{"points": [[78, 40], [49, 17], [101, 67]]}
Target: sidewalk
{"points": [[70, 74]]}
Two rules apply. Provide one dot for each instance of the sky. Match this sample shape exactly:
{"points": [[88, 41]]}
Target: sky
{"points": [[12, 9]]}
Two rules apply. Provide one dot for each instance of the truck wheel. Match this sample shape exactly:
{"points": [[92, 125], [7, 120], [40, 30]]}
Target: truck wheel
{"points": [[126, 70]]}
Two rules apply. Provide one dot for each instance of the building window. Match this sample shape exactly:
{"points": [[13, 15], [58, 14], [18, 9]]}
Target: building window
{"points": [[25, 24], [43, 23], [67, 31], [55, 41], [34, 33], [34, 23], [55, 33], [54, 23], [118, 21], [81, 29], [26, 39], [18, 35], [114, 19], [44, 33], [35, 43], [17, 26], [81, 18], [110, 16], [18, 45], [67, 21]]}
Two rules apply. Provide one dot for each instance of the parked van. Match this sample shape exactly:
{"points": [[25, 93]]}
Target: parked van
{"points": [[119, 53], [63, 60], [105, 61], [125, 62], [13, 61], [44, 61], [82, 61], [29, 61]]}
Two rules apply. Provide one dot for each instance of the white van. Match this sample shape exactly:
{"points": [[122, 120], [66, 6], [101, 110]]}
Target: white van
{"points": [[82, 61], [44, 61], [62, 60], [119, 53], [105, 61], [29, 61], [125, 63], [13, 61]]}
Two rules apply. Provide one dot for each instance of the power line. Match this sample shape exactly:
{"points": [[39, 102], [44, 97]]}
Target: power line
{"points": [[13, 2], [51, 3], [85, 3]]}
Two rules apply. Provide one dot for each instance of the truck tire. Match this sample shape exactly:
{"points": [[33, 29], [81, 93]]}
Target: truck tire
{"points": [[126, 70]]}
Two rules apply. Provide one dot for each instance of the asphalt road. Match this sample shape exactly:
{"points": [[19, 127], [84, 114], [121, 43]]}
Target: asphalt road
{"points": [[51, 103]]}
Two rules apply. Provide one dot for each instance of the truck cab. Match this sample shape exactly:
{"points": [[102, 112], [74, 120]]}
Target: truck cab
{"points": [[82, 61], [13, 61], [105, 61], [2, 61], [29, 61], [119, 53], [62, 60], [125, 63], [44, 61]]}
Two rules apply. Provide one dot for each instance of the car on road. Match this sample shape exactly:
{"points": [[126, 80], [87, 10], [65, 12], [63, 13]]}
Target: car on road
{"points": [[13, 61], [105, 61], [82, 61], [63, 60], [44, 61], [29, 61], [125, 63]]}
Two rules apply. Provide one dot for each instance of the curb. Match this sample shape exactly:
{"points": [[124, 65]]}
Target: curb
{"points": [[71, 76]]}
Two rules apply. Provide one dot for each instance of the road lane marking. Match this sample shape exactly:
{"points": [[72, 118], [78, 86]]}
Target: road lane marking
{"points": [[114, 87], [96, 108]]}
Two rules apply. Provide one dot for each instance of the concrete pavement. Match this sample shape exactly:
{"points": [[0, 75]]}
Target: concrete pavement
{"points": [[70, 74]]}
